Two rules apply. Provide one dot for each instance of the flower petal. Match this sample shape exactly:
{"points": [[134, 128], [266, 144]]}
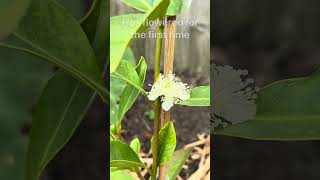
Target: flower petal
{"points": [[167, 104]]}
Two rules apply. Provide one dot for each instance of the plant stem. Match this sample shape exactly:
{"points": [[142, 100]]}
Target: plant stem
{"points": [[157, 105], [168, 69], [139, 174]]}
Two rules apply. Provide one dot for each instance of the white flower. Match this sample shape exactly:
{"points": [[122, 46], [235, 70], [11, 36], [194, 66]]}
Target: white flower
{"points": [[170, 90]]}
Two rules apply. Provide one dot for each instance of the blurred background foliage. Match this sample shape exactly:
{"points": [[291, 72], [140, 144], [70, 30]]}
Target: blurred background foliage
{"points": [[274, 24], [191, 54], [272, 39]]}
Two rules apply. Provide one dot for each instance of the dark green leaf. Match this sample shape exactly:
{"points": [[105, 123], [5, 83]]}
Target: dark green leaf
{"points": [[100, 44], [22, 78], [62, 106], [55, 120], [123, 29], [199, 96], [123, 157], [175, 164], [59, 40], [74, 7], [90, 20], [286, 110], [11, 12]]}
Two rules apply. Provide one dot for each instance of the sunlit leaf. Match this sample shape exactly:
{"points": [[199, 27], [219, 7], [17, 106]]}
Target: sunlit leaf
{"points": [[176, 7], [120, 175], [130, 93], [117, 86], [175, 164], [135, 145], [167, 143], [123, 157], [124, 28], [142, 5], [127, 73], [199, 96]]}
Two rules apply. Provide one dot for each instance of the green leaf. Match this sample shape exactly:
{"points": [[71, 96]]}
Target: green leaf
{"points": [[123, 29], [120, 175], [129, 57], [116, 88], [127, 73], [59, 40], [74, 7], [135, 145], [123, 157], [56, 119], [130, 93], [22, 78], [11, 12], [167, 143], [89, 22], [100, 43], [142, 5], [176, 7], [113, 132], [286, 110], [199, 96], [175, 164]]}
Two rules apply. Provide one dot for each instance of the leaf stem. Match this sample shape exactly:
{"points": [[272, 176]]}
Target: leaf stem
{"points": [[157, 105], [139, 174]]}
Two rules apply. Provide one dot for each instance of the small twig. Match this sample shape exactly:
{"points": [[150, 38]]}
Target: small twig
{"points": [[201, 173], [195, 144], [147, 125]]}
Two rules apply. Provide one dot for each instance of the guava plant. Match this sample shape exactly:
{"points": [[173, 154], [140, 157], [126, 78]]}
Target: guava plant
{"points": [[127, 83], [74, 45]]}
